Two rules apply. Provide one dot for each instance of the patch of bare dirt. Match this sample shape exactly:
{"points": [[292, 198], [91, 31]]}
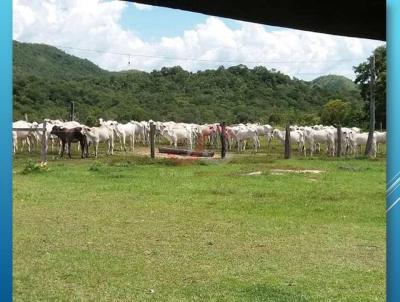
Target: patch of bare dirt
{"points": [[282, 171]]}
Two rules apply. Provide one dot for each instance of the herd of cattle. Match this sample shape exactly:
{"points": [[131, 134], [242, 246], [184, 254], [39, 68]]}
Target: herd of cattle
{"points": [[308, 139]]}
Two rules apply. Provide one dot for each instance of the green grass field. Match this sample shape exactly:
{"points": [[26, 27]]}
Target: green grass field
{"points": [[128, 228]]}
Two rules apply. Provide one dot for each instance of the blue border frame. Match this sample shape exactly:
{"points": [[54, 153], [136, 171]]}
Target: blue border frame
{"points": [[6, 151], [393, 162]]}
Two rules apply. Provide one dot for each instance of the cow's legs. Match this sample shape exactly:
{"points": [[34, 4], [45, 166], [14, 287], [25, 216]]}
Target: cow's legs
{"points": [[28, 142], [96, 149], [62, 149], [82, 144], [69, 149]]}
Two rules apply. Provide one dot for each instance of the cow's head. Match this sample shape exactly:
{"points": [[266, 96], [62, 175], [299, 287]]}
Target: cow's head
{"points": [[85, 130], [212, 129], [55, 130], [166, 132], [347, 135]]}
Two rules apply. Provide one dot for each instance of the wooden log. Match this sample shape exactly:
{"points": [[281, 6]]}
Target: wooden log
{"points": [[186, 152]]}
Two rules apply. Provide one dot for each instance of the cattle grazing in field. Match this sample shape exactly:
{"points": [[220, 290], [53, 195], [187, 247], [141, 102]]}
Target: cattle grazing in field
{"points": [[241, 134], [100, 134], [23, 136], [309, 139], [174, 135], [359, 139], [124, 132], [314, 138], [380, 139], [296, 137], [68, 136]]}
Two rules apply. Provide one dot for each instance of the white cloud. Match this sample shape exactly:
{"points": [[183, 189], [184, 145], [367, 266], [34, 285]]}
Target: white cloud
{"points": [[140, 6], [95, 25]]}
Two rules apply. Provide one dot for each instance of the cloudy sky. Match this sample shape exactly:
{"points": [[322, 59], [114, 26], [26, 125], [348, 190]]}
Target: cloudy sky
{"points": [[119, 35]]}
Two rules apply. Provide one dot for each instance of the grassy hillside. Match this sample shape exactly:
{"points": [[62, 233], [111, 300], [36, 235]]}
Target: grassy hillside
{"points": [[47, 79]]}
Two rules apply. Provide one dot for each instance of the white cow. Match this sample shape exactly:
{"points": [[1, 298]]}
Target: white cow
{"points": [[126, 131], [23, 136], [140, 131], [296, 137], [262, 130], [359, 139], [71, 124], [346, 132], [242, 134], [100, 134], [178, 134], [356, 129], [380, 138], [324, 136]]}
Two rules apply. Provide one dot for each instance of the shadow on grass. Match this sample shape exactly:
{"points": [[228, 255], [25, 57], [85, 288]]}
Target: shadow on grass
{"points": [[262, 292], [254, 293]]}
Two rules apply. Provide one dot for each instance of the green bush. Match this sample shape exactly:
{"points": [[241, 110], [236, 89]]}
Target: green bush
{"points": [[32, 167]]}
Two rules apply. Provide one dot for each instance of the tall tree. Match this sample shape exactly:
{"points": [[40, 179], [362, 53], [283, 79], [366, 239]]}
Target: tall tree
{"points": [[363, 78], [335, 112]]}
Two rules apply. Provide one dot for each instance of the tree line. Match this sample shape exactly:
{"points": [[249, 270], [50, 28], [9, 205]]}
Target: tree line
{"points": [[46, 80]]}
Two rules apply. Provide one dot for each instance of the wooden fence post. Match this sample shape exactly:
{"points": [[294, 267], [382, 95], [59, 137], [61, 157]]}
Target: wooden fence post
{"points": [[339, 141], [287, 142], [44, 143], [152, 139], [223, 140]]}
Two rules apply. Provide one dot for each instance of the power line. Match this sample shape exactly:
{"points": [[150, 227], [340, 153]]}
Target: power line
{"points": [[203, 60]]}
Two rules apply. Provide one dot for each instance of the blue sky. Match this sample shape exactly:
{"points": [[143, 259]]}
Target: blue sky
{"points": [[159, 21], [154, 37]]}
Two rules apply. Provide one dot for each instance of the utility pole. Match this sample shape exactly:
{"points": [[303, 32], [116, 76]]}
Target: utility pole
{"points": [[72, 111], [368, 147]]}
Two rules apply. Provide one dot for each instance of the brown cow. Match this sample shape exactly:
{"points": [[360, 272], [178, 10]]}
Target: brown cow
{"points": [[71, 135]]}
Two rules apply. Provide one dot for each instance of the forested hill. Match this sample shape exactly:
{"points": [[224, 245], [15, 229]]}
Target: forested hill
{"points": [[337, 84], [47, 79], [46, 61]]}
